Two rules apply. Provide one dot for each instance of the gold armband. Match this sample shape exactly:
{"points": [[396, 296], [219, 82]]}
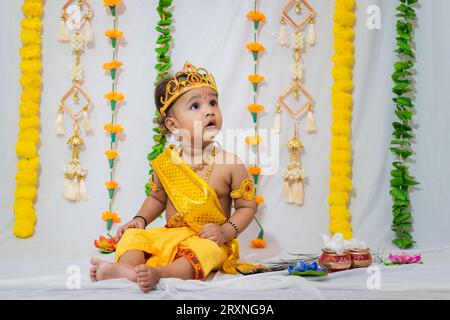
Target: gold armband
{"points": [[246, 190], [153, 186]]}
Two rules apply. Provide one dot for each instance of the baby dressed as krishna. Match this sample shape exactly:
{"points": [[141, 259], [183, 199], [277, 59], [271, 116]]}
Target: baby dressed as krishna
{"points": [[195, 183]]}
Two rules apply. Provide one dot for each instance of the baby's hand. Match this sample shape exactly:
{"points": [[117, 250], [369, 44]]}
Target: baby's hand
{"points": [[213, 232], [135, 223]]}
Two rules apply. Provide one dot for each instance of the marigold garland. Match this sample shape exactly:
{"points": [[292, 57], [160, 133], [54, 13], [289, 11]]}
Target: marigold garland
{"points": [[341, 98], [113, 128], [254, 108], [162, 68], [28, 135]]}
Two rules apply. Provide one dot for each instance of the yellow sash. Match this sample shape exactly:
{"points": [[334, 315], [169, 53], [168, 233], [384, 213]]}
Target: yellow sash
{"points": [[194, 199]]}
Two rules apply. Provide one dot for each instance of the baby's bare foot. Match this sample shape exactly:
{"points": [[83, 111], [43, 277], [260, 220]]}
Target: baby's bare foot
{"points": [[102, 270], [147, 277]]}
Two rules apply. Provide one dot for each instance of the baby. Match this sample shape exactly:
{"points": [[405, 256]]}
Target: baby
{"points": [[195, 183]]}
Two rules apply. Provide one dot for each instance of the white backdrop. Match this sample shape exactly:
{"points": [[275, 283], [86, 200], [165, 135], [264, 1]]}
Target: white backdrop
{"points": [[213, 34]]}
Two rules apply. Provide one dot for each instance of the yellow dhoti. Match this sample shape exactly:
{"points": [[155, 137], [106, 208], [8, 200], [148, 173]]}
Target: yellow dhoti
{"points": [[196, 204]]}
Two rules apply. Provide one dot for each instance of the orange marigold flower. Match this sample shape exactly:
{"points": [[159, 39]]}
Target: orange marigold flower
{"points": [[258, 243], [259, 199], [254, 170], [106, 245], [111, 185], [256, 16], [117, 96], [113, 64], [254, 107], [111, 3], [255, 78], [113, 128], [109, 215], [255, 47], [253, 140], [111, 154], [114, 33]]}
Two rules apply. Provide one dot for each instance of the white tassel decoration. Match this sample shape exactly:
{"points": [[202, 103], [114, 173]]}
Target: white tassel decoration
{"points": [[85, 123], [66, 193], [76, 189], [286, 191], [282, 36], [69, 192], [299, 195], [311, 123], [87, 33], [82, 188], [277, 123], [294, 190], [59, 125], [311, 35], [63, 33]]}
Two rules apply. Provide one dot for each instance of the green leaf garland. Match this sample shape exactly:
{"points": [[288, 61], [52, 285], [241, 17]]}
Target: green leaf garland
{"points": [[401, 180]]}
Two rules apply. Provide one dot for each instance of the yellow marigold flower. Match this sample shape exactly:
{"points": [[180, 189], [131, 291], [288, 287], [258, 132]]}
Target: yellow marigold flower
{"points": [[114, 33], [338, 198], [111, 154], [255, 78], [113, 64], [28, 193], [258, 243], [256, 16], [109, 215], [113, 128], [259, 199], [253, 140], [339, 212], [254, 170], [32, 9], [111, 185], [23, 228], [255, 47], [111, 3], [117, 96], [254, 107]]}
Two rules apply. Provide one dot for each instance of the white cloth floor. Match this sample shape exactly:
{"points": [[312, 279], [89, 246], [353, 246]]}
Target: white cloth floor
{"points": [[58, 279]]}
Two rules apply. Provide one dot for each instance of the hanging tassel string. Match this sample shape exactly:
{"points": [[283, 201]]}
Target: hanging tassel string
{"points": [[299, 195], [59, 124], [63, 33], [283, 39], [85, 122], [311, 126], [87, 33], [311, 34]]}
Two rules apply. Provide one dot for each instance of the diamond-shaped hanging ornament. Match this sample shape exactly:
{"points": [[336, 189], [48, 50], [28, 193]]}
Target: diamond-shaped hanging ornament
{"points": [[74, 92], [294, 89], [297, 4]]}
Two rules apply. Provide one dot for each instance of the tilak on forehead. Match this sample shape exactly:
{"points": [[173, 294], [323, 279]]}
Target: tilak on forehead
{"points": [[187, 79]]}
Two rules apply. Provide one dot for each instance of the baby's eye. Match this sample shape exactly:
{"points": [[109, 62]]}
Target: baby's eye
{"points": [[194, 106], [213, 103]]}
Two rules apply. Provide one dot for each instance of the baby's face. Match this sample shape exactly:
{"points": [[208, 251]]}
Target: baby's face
{"points": [[198, 115]]}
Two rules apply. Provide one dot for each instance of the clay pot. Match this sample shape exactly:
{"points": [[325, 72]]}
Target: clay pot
{"points": [[333, 262], [361, 258]]}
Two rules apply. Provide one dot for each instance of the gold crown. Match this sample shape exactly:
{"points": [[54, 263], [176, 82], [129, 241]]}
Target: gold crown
{"points": [[187, 79]]}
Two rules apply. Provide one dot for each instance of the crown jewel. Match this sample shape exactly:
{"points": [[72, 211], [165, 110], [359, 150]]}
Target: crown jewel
{"points": [[187, 79]]}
